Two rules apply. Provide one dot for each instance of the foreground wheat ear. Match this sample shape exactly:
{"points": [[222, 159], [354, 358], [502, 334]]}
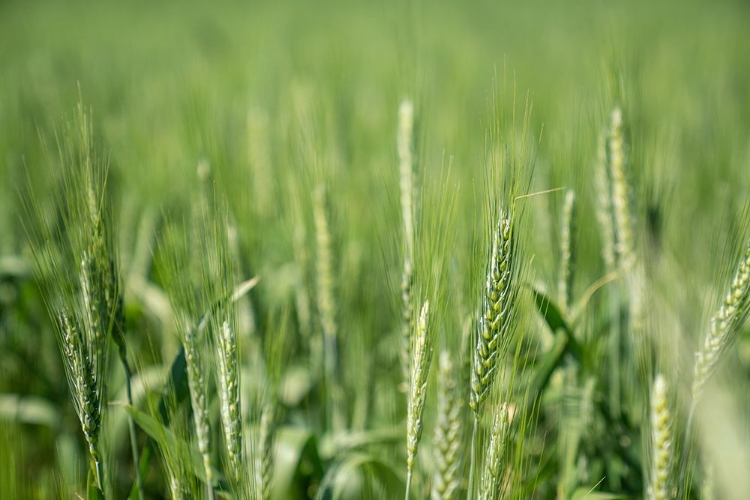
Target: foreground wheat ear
{"points": [[448, 436], [491, 485], [420, 368], [228, 388], [497, 310], [81, 284], [86, 393], [193, 340], [724, 326]]}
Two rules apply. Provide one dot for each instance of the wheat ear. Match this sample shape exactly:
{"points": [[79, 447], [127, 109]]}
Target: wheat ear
{"points": [[327, 306], [420, 368], [497, 309], [661, 442], [493, 462], [194, 341], [624, 247], [724, 326], [447, 431], [567, 250], [228, 387], [604, 204], [83, 384]]}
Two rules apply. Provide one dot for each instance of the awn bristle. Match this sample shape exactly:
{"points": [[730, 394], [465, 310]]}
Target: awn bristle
{"points": [[447, 431], [498, 308], [724, 326], [660, 487]]}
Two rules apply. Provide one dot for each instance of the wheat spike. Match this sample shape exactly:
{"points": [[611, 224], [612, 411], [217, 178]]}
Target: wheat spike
{"points": [[327, 305], [724, 326], [228, 387], [420, 368], [493, 462], [567, 250], [447, 431], [82, 380], [624, 246], [497, 309], [193, 343], [661, 442], [264, 458]]}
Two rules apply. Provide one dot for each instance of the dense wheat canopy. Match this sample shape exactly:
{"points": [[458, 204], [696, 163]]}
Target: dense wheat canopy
{"points": [[349, 249]]}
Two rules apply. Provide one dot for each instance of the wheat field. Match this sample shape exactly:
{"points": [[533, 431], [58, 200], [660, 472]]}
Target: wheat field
{"points": [[350, 250]]}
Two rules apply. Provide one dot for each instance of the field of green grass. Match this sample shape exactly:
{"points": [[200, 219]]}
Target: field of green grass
{"points": [[344, 250]]}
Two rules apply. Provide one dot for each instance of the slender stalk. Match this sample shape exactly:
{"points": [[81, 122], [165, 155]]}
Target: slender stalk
{"points": [[408, 483], [472, 464], [118, 335]]}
